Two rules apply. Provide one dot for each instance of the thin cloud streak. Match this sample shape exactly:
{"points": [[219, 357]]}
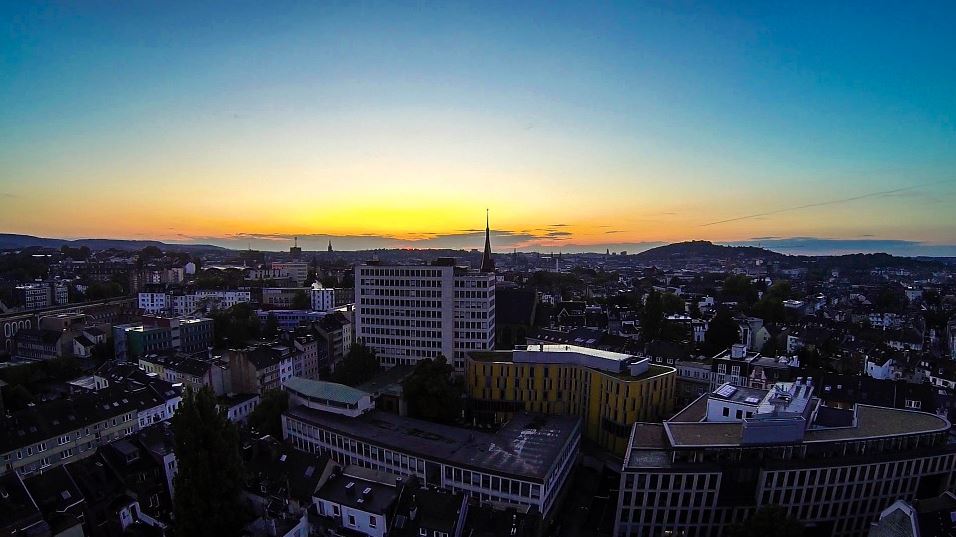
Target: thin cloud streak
{"points": [[826, 203]]}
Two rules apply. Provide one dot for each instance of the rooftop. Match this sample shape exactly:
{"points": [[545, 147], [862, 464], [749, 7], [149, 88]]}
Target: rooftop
{"points": [[388, 381], [362, 489], [870, 422], [527, 446], [328, 391], [617, 364]]}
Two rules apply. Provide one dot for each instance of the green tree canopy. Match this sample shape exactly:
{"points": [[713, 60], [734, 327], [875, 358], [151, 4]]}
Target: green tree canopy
{"points": [[722, 332], [652, 318], [301, 301], [267, 417], [672, 303], [208, 483], [236, 325], [358, 366], [432, 392], [739, 288], [270, 328]]}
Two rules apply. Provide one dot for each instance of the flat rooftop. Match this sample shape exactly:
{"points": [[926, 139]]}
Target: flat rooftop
{"points": [[870, 422], [527, 446], [612, 363], [533, 352]]}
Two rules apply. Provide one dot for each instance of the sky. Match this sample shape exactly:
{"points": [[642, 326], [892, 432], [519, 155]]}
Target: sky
{"points": [[808, 127]]}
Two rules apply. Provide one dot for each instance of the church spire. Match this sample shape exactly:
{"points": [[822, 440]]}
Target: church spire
{"points": [[487, 262]]}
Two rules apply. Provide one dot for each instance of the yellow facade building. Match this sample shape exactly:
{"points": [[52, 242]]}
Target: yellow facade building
{"points": [[608, 390]]}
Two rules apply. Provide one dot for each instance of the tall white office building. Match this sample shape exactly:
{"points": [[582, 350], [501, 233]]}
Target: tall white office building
{"points": [[410, 312]]}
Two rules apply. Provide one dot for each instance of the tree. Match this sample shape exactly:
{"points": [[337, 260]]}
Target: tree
{"points": [[267, 417], [722, 332], [76, 254], [271, 327], [103, 350], [652, 319], [739, 288], [17, 397], [431, 391], [768, 520], [236, 325], [301, 301], [208, 484], [151, 252], [672, 303], [358, 366]]}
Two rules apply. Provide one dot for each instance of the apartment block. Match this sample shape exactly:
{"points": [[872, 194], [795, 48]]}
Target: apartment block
{"points": [[408, 313]]}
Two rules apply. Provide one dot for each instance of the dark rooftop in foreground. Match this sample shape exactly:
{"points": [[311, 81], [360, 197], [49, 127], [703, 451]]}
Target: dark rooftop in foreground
{"points": [[527, 446], [362, 489]]}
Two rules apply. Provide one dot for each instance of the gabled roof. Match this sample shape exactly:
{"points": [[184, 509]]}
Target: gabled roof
{"points": [[275, 466]]}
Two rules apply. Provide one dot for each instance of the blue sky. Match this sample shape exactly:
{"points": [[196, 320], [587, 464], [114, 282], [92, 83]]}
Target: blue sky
{"points": [[402, 122]]}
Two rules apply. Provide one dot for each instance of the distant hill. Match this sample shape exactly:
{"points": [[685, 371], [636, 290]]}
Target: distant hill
{"points": [[10, 241], [708, 250], [705, 249]]}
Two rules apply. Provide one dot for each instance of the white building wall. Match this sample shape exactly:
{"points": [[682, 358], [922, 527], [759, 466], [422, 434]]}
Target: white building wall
{"points": [[408, 313]]}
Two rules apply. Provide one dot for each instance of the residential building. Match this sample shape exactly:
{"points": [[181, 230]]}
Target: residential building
{"points": [[736, 449], [297, 272], [34, 296], [305, 352], [180, 368], [360, 501], [741, 367], [285, 297], [281, 485], [407, 313], [238, 407], [156, 334], [322, 298], [259, 368], [336, 332], [180, 304], [609, 391], [21, 516], [693, 380], [61, 431], [290, 319], [39, 344], [430, 512]]}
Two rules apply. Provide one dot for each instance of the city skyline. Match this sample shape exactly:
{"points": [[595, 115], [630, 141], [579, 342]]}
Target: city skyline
{"points": [[830, 129]]}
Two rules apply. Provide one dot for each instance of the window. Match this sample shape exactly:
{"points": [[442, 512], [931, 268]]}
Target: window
{"points": [[335, 509], [726, 411], [371, 521], [351, 520], [423, 532]]}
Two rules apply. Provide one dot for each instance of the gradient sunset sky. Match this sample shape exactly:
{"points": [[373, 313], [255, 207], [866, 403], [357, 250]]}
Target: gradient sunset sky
{"points": [[581, 127]]}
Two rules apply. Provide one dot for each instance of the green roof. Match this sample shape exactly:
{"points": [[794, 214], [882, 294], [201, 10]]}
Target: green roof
{"points": [[329, 391]]}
